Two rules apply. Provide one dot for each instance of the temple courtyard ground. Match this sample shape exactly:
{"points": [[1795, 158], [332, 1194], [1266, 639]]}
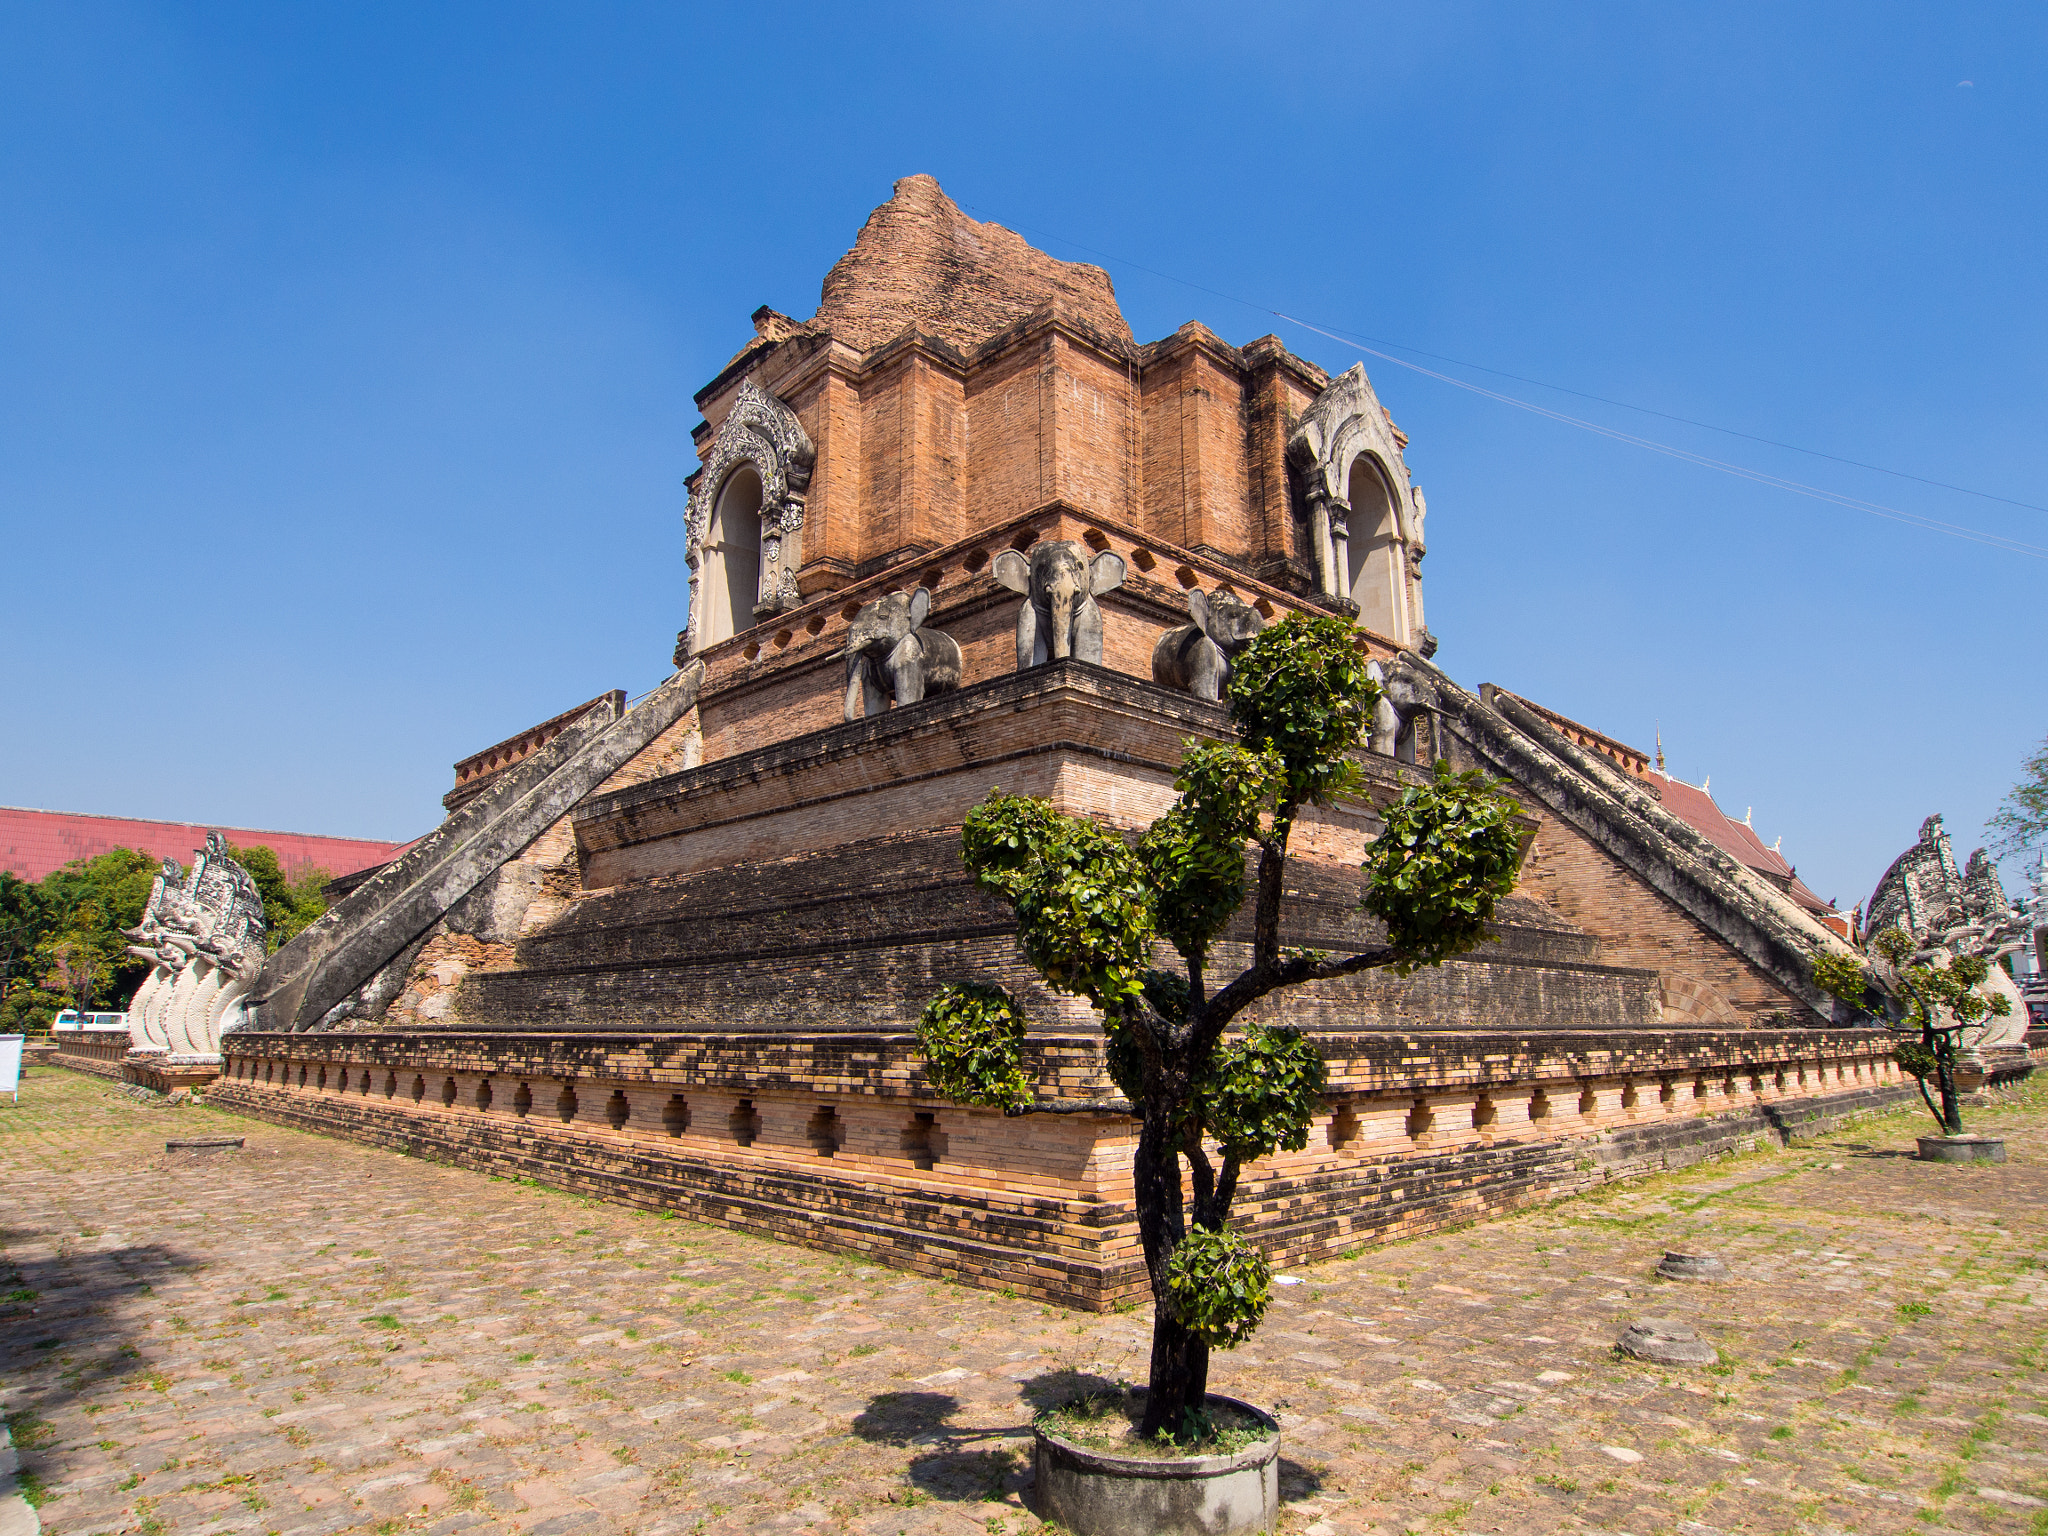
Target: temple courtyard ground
{"points": [[309, 1336]]}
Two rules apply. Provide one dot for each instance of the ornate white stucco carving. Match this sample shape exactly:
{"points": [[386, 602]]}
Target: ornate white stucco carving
{"points": [[760, 431], [202, 933], [1951, 912], [1347, 423]]}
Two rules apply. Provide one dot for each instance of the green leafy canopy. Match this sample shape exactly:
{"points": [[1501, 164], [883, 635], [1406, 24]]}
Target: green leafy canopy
{"points": [[1220, 1286], [1300, 691], [1450, 851], [972, 1039], [2021, 820], [1841, 976], [1091, 905], [1260, 1092], [1084, 910]]}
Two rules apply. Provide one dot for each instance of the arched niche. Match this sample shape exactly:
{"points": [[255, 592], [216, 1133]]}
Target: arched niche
{"points": [[1373, 563], [1363, 520], [746, 519], [729, 580]]}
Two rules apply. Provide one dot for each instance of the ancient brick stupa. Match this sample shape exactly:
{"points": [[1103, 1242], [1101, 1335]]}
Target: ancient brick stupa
{"points": [[959, 529]]}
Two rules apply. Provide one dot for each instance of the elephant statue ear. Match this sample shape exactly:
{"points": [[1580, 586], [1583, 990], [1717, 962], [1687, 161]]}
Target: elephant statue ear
{"points": [[1198, 609], [1105, 573], [1012, 570], [920, 605]]}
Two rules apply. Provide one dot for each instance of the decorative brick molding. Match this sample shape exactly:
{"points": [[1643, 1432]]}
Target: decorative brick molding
{"points": [[477, 770], [98, 1051], [832, 1140]]}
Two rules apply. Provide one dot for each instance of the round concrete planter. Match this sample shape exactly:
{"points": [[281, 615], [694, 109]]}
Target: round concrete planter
{"points": [[1961, 1149], [1093, 1494]]}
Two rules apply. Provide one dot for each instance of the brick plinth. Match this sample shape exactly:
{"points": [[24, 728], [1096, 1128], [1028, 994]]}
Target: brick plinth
{"points": [[110, 1055], [97, 1052], [172, 1075], [830, 1141]]}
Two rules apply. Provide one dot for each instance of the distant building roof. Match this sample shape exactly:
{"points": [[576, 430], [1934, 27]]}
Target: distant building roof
{"points": [[36, 843], [1693, 805]]}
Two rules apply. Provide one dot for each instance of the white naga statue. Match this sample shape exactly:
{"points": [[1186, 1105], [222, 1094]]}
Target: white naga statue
{"points": [[1951, 912], [203, 934]]}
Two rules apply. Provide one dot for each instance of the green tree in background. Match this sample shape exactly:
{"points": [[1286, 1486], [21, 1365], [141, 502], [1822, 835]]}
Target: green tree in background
{"points": [[61, 939], [288, 905], [2021, 820], [21, 930], [1936, 1003]]}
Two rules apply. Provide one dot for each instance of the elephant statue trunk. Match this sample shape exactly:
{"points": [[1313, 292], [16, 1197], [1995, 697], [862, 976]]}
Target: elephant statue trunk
{"points": [[1063, 593], [1197, 656], [1060, 619], [890, 655]]}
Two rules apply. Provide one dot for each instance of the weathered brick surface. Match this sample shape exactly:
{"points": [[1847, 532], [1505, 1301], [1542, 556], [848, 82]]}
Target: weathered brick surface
{"points": [[1703, 981], [818, 1139], [778, 681], [859, 936], [954, 379], [97, 1053], [1196, 446], [920, 261]]}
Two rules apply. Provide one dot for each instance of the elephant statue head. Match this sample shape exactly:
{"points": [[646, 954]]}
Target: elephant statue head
{"points": [[890, 655], [1406, 696], [1059, 584], [1197, 656]]}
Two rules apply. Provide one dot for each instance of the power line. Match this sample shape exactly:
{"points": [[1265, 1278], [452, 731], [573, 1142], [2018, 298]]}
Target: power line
{"points": [[1769, 442], [1739, 471]]}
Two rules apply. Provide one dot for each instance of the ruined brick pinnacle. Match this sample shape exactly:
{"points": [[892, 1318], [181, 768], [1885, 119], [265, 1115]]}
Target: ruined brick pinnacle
{"points": [[920, 262]]}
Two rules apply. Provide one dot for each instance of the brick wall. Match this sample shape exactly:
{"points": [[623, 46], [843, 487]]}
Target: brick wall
{"points": [[830, 1141], [1703, 980]]}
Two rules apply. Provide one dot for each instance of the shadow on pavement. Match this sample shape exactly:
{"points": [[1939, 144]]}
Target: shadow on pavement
{"points": [[61, 1333], [954, 1467]]}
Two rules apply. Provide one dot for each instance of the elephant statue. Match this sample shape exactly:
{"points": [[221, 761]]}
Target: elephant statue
{"points": [[1196, 656], [1404, 698], [888, 655], [1059, 619]]}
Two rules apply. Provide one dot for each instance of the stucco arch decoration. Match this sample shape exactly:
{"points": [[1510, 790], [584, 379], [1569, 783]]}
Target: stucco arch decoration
{"points": [[1345, 423], [762, 431]]}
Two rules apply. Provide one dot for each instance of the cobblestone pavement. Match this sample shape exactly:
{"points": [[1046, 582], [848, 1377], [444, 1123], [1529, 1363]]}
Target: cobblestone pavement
{"points": [[309, 1336]]}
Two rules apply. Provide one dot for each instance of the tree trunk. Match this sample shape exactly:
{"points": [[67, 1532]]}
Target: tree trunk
{"points": [[1945, 1070], [1179, 1378], [1179, 1374]]}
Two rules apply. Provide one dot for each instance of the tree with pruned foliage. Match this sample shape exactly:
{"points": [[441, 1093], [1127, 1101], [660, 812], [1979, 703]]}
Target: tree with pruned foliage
{"points": [[1091, 906], [1933, 1000]]}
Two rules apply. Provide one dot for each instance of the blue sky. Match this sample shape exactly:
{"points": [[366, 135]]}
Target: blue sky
{"points": [[346, 352]]}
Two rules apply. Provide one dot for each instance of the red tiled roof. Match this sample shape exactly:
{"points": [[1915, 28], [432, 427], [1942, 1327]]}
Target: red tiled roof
{"points": [[34, 843], [1692, 805], [1695, 807]]}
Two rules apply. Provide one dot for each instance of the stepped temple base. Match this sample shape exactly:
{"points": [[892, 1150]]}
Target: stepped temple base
{"points": [[825, 1140]]}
